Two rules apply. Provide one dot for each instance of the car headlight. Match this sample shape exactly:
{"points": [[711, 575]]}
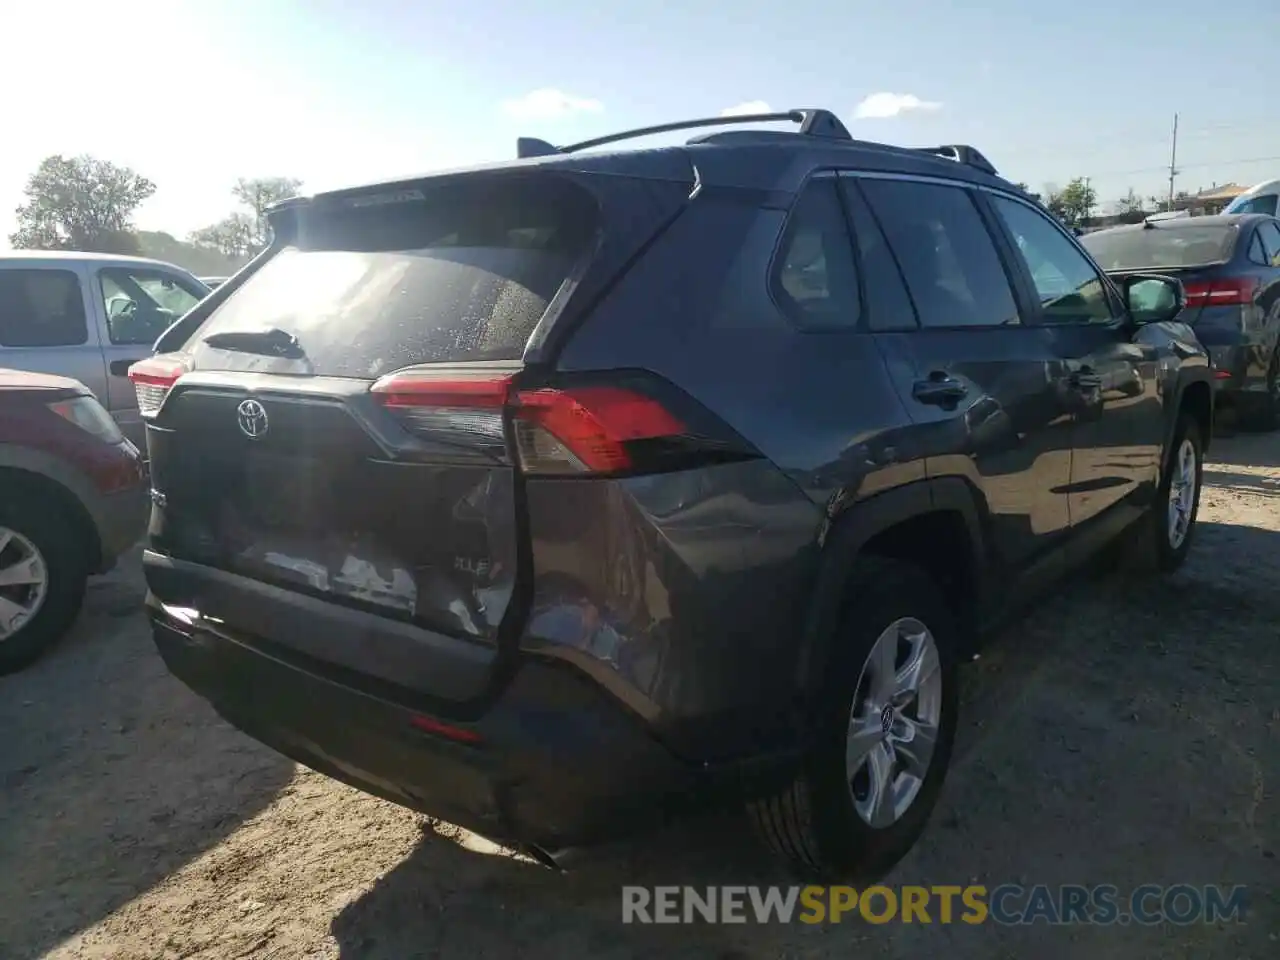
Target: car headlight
{"points": [[90, 416]]}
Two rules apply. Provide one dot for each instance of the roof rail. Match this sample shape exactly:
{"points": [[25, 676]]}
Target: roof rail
{"points": [[813, 122], [961, 153]]}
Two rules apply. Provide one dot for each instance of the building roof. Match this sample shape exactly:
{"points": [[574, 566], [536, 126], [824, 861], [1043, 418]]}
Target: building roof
{"points": [[1228, 191]]}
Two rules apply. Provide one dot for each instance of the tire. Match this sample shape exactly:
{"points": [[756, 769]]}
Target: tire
{"points": [[1156, 549], [33, 529], [815, 823]]}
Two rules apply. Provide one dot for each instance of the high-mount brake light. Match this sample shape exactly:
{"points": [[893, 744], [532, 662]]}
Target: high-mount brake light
{"points": [[1221, 292], [152, 379], [573, 430]]}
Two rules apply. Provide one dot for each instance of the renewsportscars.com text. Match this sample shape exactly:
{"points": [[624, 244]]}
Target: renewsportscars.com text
{"points": [[1007, 904]]}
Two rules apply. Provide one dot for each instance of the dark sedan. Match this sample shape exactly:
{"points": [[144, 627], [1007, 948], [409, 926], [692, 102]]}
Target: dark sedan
{"points": [[1230, 267]]}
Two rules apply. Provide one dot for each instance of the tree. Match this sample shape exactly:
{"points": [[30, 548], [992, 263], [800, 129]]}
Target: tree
{"points": [[80, 203], [1130, 203], [1073, 203], [241, 234], [234, 236], [1026, 188]]}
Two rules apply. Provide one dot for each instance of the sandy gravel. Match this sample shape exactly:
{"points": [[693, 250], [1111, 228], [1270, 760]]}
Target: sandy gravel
{"points": [[1125, 733]]}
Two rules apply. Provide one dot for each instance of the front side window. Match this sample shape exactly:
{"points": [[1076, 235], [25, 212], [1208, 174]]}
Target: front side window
{"points": [[948, 259], [141, 304], [815, 279], [1069, 288], [41, 308]]}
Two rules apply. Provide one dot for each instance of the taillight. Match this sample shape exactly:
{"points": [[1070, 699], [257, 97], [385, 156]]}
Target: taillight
{"points": [[1225, 291], [588, 429], [152, 380], [565, 430]]}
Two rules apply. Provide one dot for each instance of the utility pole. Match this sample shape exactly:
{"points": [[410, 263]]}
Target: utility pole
{"points": [[1173, 160]]}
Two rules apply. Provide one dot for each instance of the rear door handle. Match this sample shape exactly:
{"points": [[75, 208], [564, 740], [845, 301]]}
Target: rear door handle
{"points": [[939, 388]]}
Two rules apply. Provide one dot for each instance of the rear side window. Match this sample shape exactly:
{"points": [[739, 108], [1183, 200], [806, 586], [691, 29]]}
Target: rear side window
{"points": [[464, 274], [814, 279], [947, 256], [1262, 203], [1256, 253], [1270, 234], [1171, 245], [41, 308], [888, 304]]}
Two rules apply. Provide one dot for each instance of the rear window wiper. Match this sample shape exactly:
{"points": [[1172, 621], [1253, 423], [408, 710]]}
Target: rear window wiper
{"points": [[272, 342]]}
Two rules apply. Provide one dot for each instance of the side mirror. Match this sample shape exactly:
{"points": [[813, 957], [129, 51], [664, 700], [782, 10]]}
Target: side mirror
{"points": [[1153, 298]]}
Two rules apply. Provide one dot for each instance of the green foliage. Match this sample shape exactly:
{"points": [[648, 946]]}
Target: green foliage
{"points": [[243, 233], [201, 261], [80, 203], [1074, 203]]}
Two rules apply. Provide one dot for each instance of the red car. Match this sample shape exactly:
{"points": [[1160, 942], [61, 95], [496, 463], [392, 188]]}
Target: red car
{"points": [[73, 498]]}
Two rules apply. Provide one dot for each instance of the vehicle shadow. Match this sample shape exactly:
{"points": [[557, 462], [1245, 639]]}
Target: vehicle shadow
{"points": [[1255, 450], [1118, 734], [112, 774]]}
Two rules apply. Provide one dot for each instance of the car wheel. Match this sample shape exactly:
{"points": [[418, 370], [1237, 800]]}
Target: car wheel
{"points": [[42, 578], [883, 732], [1163, 537]]}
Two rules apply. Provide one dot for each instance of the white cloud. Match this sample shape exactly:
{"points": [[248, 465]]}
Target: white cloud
{"points": [[548, 103], [742, 109], [882, 105]]}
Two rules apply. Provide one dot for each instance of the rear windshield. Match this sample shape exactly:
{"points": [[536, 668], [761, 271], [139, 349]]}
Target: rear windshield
{"points": [[463, 274], [1161, 246], [1262, 203]]}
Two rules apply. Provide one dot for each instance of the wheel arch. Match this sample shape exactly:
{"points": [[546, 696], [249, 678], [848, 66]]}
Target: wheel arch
{"points": [[936, 524], [15, 480]]}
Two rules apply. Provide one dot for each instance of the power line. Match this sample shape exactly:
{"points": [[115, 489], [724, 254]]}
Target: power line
{"points": [[1152, 140], [1188, 166]]}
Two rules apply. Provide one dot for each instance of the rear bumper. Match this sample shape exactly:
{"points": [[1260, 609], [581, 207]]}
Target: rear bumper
{"points": [[554, 763], [1239, 369]]}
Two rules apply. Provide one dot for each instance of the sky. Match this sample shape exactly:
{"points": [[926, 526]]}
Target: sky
{"points": [[194, 94]]}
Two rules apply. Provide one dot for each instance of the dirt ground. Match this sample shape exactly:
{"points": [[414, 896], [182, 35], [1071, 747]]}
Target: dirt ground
{"points": [[1126, 733]]}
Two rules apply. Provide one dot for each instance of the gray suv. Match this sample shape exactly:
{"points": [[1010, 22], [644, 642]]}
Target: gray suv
{"points": [[557, 497], [89, 316]]}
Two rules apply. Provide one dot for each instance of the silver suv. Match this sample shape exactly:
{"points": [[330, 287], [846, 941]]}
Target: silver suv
{"points": [[89, 316]]}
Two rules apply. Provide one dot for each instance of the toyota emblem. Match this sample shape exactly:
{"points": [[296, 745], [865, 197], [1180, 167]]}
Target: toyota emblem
{"points": [[252, 418]]}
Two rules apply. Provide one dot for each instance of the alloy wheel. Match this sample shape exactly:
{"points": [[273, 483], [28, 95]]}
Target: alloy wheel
{"points": [[894, 722], [1182, 493], [24, 582]]}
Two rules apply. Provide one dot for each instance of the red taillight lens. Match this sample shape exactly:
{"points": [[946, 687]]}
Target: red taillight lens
{"points": [[1225, 291], [587, 429], [152, 380]]}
